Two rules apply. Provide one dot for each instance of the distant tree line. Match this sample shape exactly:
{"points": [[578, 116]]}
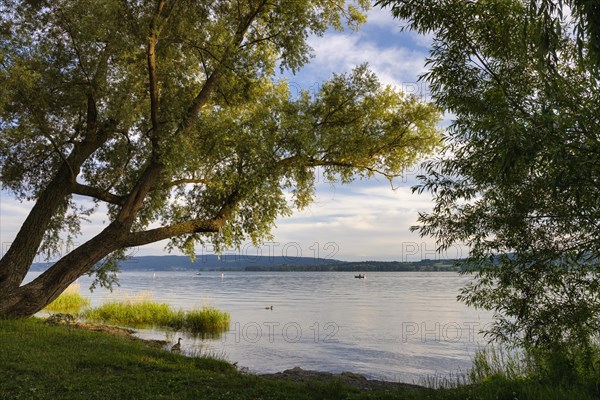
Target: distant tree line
{"points": [[369, 266]]}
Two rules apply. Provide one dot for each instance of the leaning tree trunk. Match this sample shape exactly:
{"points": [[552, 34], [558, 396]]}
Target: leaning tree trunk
{"points": [[15, 264], [28, 299]]}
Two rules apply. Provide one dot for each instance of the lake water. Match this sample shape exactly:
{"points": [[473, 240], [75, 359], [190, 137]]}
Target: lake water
{"points": [[398, 326]]}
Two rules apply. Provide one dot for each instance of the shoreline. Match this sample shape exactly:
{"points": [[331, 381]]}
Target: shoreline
{"points": [[295, 374], [358, 381], [88, 361]]}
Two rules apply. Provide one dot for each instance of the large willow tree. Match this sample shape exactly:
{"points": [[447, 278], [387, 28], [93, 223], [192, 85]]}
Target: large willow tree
{"points": [[520, 180], [168, 112]]}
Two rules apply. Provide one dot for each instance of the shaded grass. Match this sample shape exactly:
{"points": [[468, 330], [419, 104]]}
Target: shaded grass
{"points": [[47, 362], [566, 370], [496, 361], [50, 362], [143, 312], [70, 301]]}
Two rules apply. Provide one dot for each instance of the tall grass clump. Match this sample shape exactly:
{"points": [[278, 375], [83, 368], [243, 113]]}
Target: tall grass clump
{"points": [[206, 319], [134, 313], [497, 361], [575, 366], [439, 381], [143, 312], [70, 301]]}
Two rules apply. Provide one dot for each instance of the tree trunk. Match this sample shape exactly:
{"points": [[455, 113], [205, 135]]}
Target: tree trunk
{"points": [[28, 299], [15, 264]]}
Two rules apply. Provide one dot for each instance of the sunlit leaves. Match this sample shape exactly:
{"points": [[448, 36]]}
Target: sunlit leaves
{"points": [[272, 145], [221, 142]]}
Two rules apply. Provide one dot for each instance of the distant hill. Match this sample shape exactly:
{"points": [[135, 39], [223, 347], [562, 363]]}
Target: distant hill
{"points": [[231, 262], [369, 266], [208, 262]]}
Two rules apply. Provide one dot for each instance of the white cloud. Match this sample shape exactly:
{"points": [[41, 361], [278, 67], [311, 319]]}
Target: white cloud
{"points": [[382, 18], [12, 215], [364, 222], [341, 52]]}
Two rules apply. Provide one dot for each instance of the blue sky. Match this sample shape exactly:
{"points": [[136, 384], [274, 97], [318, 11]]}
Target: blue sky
{"points": [[365, 220]]}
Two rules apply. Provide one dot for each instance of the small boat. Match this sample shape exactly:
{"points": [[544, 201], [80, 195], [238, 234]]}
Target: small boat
{"points": [[360, 276], [198, 273]]}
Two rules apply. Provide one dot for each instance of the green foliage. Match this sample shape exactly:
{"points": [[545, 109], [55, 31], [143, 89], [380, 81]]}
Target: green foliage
{"points": [[518, 182], [497, 361], [280, 141], [70, 301], [105, 272], [567, 368], [170, 112]]}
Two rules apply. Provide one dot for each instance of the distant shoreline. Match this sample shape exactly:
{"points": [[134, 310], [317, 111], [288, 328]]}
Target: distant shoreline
{"points": [[228, 263], [366, 266]]}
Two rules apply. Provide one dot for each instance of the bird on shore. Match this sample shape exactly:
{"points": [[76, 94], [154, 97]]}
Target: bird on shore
{"points": [[177, 346]]}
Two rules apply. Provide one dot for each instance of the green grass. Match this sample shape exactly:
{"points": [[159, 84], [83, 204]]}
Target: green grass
{"points": [[204, 320], [47, 362], [142, 312], [70, 301], [497, 361]]}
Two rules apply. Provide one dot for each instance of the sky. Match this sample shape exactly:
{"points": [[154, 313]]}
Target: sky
{"points": [[365, 220]]}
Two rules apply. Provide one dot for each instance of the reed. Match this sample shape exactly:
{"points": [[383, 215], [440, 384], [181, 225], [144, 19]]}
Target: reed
{"points": [[70, 301], [206, 319], [499, 361], [133, 313], [140, 311]]}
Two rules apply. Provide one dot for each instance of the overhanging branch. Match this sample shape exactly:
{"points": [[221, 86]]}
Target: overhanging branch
{"points": [[184, 181], [212, 225], [97, 193], [166, 232]]}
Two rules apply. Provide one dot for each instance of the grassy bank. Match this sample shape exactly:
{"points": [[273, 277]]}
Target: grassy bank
{"points": [[46, 362]]}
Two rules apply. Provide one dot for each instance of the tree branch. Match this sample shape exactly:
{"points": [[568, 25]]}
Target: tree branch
{"points": [[193, 226], [155, 235], [313, 162], [97, 193], [211, 82], [78, 53], [187, 180], [262, 39], [152, 80]]}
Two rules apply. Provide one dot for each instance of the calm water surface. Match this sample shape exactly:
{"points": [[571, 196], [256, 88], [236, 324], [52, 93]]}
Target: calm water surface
{"points": [[398, 326]]}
